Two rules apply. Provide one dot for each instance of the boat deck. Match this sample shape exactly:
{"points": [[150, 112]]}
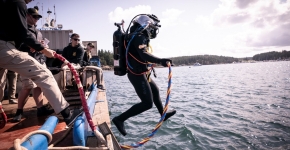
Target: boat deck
{"points": [[30, 122]]}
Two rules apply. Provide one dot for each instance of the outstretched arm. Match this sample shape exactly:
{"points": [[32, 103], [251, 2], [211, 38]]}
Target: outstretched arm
{"points": [[140, 43]]}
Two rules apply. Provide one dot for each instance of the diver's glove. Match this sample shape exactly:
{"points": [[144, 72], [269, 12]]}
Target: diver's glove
{"points": [[164, 62]]}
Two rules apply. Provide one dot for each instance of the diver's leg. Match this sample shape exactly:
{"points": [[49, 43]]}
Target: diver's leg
{"points": [[143, 90], [157, 101], [156, 96]]}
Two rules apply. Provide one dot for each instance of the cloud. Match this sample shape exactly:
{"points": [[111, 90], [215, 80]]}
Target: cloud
{"points": [[251, 23], [170, 17], [127, 14], [244, 3]]}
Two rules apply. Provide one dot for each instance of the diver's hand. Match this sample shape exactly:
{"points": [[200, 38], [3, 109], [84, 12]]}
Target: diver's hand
{"points": [[48, 52], [164, 62]]}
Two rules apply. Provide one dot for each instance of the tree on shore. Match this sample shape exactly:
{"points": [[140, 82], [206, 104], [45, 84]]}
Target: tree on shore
{"points": [[106, 57], [272, 56]]}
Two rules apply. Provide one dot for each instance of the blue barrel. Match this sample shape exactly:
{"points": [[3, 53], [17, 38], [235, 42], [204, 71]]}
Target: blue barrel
{"points": [[79, 132], [40, 141], [81, 129]]}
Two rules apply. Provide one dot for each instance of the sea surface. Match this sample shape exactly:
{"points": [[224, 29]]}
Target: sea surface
{"points": [[229, 106]]}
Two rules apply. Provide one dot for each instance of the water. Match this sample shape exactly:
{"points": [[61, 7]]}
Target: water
{"points": [[232, 106]]}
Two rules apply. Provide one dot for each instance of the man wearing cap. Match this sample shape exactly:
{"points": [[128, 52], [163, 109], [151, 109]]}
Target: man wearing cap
{"points": [[27, 84], [86, 62], [15, 32], [88, 54]]}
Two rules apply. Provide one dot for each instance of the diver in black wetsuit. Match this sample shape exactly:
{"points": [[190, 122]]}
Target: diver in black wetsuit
{"points": [[138, 75]]}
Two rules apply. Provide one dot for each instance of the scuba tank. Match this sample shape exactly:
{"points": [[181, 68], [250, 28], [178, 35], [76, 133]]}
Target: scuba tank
{"points": [[120, 67]]}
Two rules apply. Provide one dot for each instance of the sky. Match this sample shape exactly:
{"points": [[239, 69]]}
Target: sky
{"points": [[235, 28]]}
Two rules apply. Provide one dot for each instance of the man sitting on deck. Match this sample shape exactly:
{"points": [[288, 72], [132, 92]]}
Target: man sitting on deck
{"points": [[74, 52], [86, 62]]}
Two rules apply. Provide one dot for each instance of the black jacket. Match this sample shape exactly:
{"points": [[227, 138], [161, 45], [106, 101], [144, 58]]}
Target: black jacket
{"points": [[73, 54], [41, 58], [13, 26], [86, 60]]}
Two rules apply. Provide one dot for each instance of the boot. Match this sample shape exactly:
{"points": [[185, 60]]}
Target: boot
{"points": [[120, 126], [18, 115], [72, 115], [101, 87], [169, 114], [44, 111], [13, 101]]}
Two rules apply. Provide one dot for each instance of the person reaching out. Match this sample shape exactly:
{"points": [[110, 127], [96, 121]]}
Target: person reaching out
{"points": [[27, 84], [13, 33]]}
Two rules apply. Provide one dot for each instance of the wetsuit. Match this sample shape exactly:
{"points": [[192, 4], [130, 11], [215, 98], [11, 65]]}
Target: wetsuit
{"points": [[148, 92], [145, 87]]}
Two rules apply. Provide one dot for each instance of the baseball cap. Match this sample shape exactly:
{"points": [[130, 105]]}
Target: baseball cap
{"points": [[91, 45], [33, 12]]}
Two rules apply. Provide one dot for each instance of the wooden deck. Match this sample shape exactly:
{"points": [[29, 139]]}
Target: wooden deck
{"points": [[30, 122]]}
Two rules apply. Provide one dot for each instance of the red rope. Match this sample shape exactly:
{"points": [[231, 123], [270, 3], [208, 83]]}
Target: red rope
{"points": [[81, 91]]}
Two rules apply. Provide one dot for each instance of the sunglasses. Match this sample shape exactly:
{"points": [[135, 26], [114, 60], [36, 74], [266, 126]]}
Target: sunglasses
{"points": [[76, 39], [36, 17]]}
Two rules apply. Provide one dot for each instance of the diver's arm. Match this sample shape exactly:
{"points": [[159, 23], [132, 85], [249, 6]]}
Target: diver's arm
{"points": [[148, 57], [141, 44]]}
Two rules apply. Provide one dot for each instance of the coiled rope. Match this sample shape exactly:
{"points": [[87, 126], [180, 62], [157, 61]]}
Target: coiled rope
{"points": [[143, 141], [83, 99], [17, 142], [4, 117]]}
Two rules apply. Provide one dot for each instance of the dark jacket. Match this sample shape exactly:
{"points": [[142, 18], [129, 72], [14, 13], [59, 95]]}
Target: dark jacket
{"points": [[73, 54], [14, 26], [41, 58], [86, 60]]}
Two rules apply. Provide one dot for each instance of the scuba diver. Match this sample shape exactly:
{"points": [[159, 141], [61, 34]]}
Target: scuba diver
{"points": [[144, 28]]}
